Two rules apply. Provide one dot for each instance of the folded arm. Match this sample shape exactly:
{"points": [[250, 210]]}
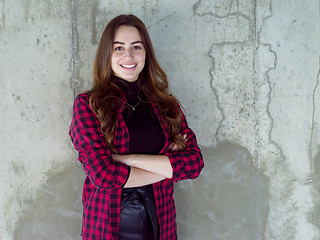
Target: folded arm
{"points": [[139, 177], [94, 155], [158, 164], [175, 165]]}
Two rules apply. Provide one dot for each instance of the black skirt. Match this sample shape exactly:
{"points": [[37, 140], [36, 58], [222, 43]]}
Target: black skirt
{"points": [[138, 216]]}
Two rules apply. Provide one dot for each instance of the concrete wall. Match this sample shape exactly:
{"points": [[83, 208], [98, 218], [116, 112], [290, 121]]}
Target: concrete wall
{"points": [[247, 73]]}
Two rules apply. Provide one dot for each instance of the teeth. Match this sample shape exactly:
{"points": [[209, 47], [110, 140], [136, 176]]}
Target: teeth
{"points": [[128, 66]]}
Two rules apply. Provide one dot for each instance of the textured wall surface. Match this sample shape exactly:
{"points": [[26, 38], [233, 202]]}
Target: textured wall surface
{"points": [[247, 73]]}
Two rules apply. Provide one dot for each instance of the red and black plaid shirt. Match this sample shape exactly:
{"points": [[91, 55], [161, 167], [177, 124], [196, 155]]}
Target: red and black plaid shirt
{"points": [[105, 177]]}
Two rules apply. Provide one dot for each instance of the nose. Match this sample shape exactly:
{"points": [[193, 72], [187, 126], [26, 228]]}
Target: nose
{"points": [[129, 53]]}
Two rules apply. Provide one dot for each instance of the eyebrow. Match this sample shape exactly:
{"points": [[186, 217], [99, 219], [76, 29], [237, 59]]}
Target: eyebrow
{"points": [[122, 43]]}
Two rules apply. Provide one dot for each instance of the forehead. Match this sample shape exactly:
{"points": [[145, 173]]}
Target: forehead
{"points": [[127, 34]]}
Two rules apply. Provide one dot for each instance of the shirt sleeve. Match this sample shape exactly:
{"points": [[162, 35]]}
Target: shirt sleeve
{"points": [[93, 153], [186, 164]]}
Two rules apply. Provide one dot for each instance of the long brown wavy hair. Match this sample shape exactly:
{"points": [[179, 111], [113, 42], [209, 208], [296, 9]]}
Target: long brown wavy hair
{"points": [[105, 96]]}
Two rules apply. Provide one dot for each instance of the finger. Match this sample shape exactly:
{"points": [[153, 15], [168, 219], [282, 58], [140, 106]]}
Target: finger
{"points": [[173, 147], [185, 137]]}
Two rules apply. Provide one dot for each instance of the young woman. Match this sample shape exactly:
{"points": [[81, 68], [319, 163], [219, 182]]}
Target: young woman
{"points": [[132, 138]]}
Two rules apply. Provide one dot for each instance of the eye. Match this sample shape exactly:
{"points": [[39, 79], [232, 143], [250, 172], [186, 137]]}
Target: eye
{"points": [[137, 47], [118, 48]]}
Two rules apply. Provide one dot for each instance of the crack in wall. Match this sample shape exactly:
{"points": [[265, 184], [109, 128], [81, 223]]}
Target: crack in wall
{"points": [[215, 93], [262, 86], [212, 86], [267, 76], [221, 44], [223, 16], [255, 78], [258, 43], [161, 20], [227, 15], [313, 116]]}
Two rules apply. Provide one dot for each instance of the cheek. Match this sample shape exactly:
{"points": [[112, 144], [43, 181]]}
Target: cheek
{"points": [[143, 58], [113, 65], [112, 62], [114, 59]]}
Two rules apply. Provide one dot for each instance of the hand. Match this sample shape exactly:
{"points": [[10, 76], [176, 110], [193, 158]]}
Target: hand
{"points": [[173, 147]]}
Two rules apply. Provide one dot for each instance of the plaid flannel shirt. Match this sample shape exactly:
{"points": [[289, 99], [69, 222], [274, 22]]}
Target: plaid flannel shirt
{"points": [[106, 177]]}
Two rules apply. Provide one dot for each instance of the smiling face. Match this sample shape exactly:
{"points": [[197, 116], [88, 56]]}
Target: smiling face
{"points": [[128, 53]]}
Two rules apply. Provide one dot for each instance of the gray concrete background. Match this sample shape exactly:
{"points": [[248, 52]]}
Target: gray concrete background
{"points": [[247, 73]]}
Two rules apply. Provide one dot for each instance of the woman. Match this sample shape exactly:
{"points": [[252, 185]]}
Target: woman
{"points": [[132, 138]]}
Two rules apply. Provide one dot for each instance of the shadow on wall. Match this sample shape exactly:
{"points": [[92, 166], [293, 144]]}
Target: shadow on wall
{"points": [[315, 216], [57, 212], [229, 200]]}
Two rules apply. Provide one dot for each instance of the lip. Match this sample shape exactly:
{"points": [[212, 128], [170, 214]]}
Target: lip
{"points": [[128, 66]]}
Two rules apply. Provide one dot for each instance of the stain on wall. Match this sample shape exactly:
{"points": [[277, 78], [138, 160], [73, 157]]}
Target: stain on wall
{"points": [[56, 212], [315, 214], [228, 201]]}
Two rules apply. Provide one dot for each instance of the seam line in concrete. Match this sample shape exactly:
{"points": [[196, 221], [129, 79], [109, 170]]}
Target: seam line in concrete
{"points": [[255, 65], [94, 11], [74, 49], [3, 17]]}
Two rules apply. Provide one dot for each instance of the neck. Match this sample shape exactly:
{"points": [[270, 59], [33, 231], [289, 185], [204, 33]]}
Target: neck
{"points": [[130, 89]]}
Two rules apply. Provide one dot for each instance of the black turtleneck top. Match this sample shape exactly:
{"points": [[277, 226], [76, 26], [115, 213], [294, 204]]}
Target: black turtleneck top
{"points": [[145, 131]]}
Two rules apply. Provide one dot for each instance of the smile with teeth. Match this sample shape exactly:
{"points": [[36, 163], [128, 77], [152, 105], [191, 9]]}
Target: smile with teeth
{"points": [[128, 66]]}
